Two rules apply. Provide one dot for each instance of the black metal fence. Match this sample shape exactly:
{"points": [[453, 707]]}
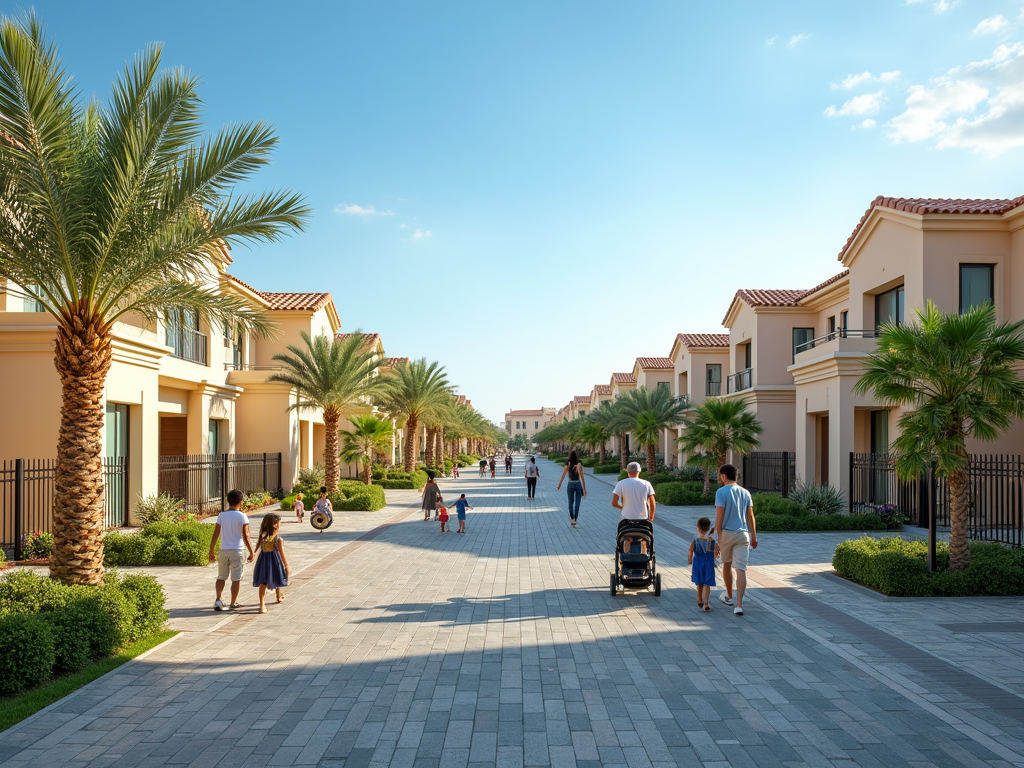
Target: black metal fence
{"points": [[26, 497], [996, 506], [769, 472], [202, 481]]}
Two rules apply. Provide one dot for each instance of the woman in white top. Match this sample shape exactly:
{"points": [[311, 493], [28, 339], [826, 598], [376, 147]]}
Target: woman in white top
{"points": [[531, 473]]}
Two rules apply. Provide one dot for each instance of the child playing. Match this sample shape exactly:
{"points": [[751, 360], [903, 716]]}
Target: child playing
{"points": [[702, 558], [272, 568], [443, 517], [455, 470], [323, 504], [460, 508], [299, 508]]}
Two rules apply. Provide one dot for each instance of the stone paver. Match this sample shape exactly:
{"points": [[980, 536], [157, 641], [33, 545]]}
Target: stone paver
{"points": [[404, 646]]}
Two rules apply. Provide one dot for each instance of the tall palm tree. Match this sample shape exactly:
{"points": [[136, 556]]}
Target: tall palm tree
{"points": [[331, 375], [110, 212], [719, 426], [958, 375], [593, 435], [648, 412], [412, 389], [368, 434], [609, 417]]}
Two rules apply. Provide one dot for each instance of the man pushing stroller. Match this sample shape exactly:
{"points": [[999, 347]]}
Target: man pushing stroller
{"points": [[635, 498]]}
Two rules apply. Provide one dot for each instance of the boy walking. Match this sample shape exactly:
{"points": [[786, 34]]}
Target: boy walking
{"points": [[460, 508], [736, 533], [232, 529]]}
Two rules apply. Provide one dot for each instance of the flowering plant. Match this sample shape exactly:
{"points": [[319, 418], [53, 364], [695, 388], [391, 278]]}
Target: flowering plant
{"points": [[36, 545]]}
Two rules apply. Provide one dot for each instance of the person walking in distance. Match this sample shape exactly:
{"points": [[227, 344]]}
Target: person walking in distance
{"points": [[531, 473], [232, 529], [635, 499], [736, 534], [493, 462], [576, 488]]}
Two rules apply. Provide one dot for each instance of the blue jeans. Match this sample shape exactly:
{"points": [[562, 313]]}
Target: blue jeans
{"points": [[575, 491]]}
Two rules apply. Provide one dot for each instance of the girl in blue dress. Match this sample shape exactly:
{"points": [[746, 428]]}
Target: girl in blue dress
{"points": [[272, 568], [702, 560]]}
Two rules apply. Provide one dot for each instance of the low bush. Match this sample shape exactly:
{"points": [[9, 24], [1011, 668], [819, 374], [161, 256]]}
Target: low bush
{"points": [[693, 473], [70, 628], [772, 504], [655, 479], [396, 484], [256, 500], [819, 499], [899, 568], [160, 543], [36, 546], [27, 653], [775, 514], [129, 549], [152, 508], [607, 469], [312, 477], [676, 494]]}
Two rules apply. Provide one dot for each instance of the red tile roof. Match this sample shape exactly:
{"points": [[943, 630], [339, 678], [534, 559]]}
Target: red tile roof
{"points": [[703, 339], [655, 363], [757, 297], [603, 389], [582, 399], [372, 339], [309, 302], [391, 362], [234, 279], [925, 205], [830, 281], [624, 378]]}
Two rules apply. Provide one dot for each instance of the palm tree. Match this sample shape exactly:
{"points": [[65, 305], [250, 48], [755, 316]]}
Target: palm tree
{"points": [[368, 434], [412, 389], [593, 435], [331, 375], [958, 375], [111, 212], [719, 426], [648, 412], [609, 417]]}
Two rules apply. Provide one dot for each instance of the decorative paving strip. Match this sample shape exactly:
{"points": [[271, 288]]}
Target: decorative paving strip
{"points": [[982, 627]]}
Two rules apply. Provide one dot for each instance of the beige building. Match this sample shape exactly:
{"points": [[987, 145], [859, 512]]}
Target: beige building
{"points": [[700, 365], [528, 422]]}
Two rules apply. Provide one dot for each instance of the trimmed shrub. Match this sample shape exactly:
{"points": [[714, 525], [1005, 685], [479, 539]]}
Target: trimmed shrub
{"points": [[419, 479], [181, 552], [71, 635], [147, 596], [129, 549], [161, 543], [677, 494], [396, 484], [27, 652], [769, 503], [607, 469]]}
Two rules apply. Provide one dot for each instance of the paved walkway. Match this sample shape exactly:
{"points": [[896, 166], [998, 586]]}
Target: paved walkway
{"points": [[403, 646]]}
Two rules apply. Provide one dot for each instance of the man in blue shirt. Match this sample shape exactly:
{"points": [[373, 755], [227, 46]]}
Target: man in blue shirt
{"points": [[736, 533]]}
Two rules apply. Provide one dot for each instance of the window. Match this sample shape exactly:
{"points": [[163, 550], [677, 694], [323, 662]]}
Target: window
{"points": [[535, 425], [30, 304], [713, 377], [880, 432], [976, 286], [831, 324], [662, 385], [844, 319], [801, 336], [889, 308], [748, 355]]}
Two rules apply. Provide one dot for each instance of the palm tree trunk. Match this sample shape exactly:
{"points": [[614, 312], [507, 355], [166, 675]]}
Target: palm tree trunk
{"points": [[707, 479], [430, 447], [440, 448], [412, 442], [652, 459], [959, 510], [82, 356], [332, 471], [602, 454], [367, 468]]}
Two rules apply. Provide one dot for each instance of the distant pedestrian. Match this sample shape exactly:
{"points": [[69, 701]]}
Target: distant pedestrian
{"points": [[232, 529], [299, 507], [431, 497], [736, 532], [271, 571], [455, 471], [443, 517], [493, 464], [483, 467], [577, 486], [702, 561], [461, 505], [531, 473], [508, 463]]}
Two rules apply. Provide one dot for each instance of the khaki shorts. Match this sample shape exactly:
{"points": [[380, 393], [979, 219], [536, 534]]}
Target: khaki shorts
{"points": [[230, 562], [735, 546]]}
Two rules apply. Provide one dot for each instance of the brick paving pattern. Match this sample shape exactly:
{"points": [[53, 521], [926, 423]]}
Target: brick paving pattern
{"points": [[403, 646]]}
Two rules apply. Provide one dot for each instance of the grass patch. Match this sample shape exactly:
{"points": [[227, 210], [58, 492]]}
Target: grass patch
{"points": [[15, 709]]}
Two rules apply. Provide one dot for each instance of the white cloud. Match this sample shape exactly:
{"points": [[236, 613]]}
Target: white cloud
{"points": [[943, 5], [869, 123], [403, 225], [990, 25], [419, 234], [978, 106], [796, 40], [770, 41], [865, 104], [852, 81], [358, 210]]}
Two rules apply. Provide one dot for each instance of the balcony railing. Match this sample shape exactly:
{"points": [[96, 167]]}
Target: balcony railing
{"points": [[741, 380], [713, 389], [187, 344], [842, 333], [252, 367]]}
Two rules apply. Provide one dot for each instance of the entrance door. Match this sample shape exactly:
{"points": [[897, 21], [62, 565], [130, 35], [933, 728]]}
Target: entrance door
{"points": [[215, 481], [880, 477], [823, 453], [115, 466]]}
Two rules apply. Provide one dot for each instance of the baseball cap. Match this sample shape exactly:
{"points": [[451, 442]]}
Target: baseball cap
{"points": [[633, 466]]}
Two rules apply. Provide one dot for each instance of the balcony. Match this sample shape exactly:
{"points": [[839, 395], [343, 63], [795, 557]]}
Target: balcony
{"points": [[740, 380], [187, 344], [842, 333], [252, 367], [840, 342]]}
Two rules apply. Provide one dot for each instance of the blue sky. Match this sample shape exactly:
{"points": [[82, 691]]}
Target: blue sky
{"points": [[536, 193]]}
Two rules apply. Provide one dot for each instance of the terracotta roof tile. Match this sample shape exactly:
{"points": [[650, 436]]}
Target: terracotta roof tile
{"points": [[703, 339], [624, 378], [603, 389], [391, 362], [833, 279], [656, 363], [582, 399], [245, 285], [925, 205], [757, 297], [309, 302]]}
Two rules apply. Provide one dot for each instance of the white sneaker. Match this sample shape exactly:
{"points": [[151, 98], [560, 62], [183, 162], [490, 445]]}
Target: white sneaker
{"points": [[725, 598], [218, 605], [738, 610]]}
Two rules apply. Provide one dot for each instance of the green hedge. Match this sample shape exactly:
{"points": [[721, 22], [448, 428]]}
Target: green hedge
{"points": [[655, 479], [682, 494], [774, 514], [899, 568], [160, 543], [51, 628], [352, 496], [607, 469]]}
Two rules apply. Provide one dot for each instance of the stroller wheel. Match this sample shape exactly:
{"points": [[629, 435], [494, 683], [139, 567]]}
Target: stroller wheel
{"points": [[614, 585], [657, 585]]}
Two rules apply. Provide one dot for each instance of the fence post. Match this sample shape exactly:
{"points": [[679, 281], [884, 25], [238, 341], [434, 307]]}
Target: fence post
{"points": [[265, 471], [785, 474], [931, 519], [224, 482], [849, 492], [19, 505]]}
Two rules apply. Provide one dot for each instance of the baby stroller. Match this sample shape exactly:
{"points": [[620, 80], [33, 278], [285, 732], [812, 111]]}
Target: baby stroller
{"points": [[635, 571]]}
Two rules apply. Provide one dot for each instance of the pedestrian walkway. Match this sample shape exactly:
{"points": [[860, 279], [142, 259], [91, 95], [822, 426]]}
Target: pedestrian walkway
{"points": [[408, 647]]}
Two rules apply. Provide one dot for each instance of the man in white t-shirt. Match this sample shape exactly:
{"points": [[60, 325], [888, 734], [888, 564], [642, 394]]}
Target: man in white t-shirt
{"points": [[635, 498], [232, 529]]}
